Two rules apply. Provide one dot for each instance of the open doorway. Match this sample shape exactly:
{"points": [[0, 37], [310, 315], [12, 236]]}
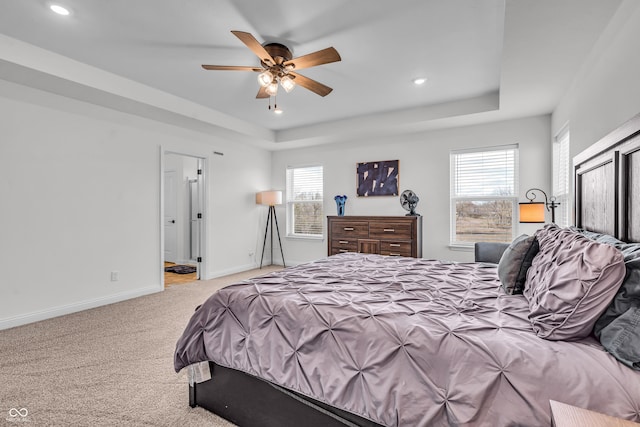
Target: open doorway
{"points": [[183, 214]]}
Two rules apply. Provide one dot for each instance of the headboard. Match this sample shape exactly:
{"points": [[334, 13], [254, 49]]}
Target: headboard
{"points": [[607, 184]]}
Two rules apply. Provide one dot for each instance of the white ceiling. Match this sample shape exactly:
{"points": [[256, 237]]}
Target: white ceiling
{"points": [[484, 59]]}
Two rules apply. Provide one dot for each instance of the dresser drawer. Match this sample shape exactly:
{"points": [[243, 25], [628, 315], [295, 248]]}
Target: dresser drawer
{"points": [[395, 248], [335, 251], [349, 230], [345, 245], [390, 230]]}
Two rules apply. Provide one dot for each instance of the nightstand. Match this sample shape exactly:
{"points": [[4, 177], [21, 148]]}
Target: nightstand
{"points": [[563, 415]]}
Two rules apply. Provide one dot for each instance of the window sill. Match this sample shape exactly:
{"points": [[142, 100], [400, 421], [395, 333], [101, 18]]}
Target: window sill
{"points": [[462, 248], [294, 237]]}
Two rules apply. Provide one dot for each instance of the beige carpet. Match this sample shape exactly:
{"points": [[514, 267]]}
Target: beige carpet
{"points": [[108, 366]]}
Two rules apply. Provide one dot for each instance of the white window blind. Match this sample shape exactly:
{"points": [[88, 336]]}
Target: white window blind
{"points": [[305, 216], [562, 177], [484, 185]]}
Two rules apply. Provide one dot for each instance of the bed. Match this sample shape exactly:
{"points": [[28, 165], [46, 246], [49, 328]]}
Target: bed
{"points": [[366, 340]]}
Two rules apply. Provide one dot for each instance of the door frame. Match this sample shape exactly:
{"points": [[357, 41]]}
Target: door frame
{"points": [[202, 266], [167, 198]]}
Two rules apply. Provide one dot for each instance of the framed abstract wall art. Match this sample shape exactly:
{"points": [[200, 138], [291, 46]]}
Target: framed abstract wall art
{"points": [[378, 178]]}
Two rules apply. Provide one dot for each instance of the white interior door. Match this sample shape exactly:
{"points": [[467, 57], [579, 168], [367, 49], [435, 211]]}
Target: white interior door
{"points": [[170, 213]]}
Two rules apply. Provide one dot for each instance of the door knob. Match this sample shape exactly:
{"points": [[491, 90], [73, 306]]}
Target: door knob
{"points": [[173, 221]]}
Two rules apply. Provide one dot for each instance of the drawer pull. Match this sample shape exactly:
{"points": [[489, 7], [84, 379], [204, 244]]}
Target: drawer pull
{"points": [[389, 230], [343, 242], [394, 245], [393, 254], [342, 250], [348, 229]]}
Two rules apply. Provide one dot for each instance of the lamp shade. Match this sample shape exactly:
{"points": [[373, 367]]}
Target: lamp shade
{"points": [[532, 212], [265, 78], [272, 88], [287, 83], [269, 198]]}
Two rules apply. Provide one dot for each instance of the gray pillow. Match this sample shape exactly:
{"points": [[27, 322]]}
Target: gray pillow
{"points": [[618, 329], [621, 336], [515, 261]]}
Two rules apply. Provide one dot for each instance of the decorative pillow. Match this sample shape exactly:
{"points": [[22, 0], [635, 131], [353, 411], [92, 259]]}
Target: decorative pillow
{"points": [[515, 261], [621, 337], [598, 237], [618, 329], [570, 283]]}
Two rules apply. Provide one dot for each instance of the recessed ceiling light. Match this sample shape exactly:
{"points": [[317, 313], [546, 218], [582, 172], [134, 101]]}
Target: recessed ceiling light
{"points": [[60, 10], [419, 81], [277, 111]]}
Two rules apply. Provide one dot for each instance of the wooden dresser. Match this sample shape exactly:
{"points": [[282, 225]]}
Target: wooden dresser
{"points": [[384, 235]]}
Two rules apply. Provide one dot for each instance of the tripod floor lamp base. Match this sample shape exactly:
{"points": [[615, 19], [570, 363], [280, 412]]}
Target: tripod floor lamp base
{"points": [[270, 198]]}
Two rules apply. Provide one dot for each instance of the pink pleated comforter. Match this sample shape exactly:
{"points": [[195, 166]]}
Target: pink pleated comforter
{"points": [[404, 342]]}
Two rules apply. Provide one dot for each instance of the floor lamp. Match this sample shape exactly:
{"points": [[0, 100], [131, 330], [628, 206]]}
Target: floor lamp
{"points": [[271, 199]]}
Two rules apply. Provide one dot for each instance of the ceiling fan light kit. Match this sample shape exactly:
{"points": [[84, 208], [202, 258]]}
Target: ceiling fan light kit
{"points": [[287, 83], [278, 65], [272, 88], [265, 78]]}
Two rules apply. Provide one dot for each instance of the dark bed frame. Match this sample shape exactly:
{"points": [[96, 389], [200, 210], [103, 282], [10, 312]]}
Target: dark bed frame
{"points": [[607, 200], [607, 183], [246, 400]]}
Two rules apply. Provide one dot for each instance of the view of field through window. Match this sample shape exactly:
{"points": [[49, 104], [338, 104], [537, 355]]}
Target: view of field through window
{"points": [[483, 195], [484, 221], [308, 218], [305, 201]]}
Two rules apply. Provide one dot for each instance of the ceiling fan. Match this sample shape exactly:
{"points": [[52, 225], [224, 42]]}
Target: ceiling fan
{"points": [[277, 66]]}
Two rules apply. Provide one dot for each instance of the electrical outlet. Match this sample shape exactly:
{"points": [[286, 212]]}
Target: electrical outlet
{"points": [[115, 275]]}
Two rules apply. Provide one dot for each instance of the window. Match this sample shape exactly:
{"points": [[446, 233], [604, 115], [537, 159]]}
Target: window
{"points": [[304, 202], [484, 195], [561, 177]]}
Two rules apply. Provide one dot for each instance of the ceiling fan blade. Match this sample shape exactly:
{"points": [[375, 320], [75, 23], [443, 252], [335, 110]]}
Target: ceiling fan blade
{"points": [[312, 85], [324, 56], [231, 68], [254, 45], [262, 93]]}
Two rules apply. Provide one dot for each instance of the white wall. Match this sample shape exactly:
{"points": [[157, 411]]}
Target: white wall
{"points": [[424, 168], [237, 220], [606, 92], [80, 198]]}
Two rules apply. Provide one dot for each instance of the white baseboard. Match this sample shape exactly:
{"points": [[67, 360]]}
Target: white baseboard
{"points": [[293, 263], [228, 271], [36, 316], [245, 267]]}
